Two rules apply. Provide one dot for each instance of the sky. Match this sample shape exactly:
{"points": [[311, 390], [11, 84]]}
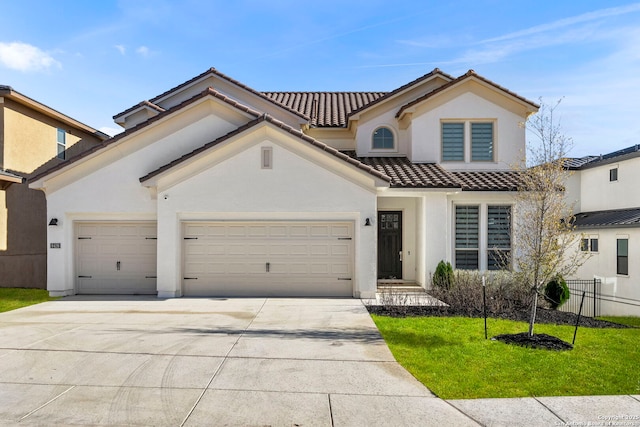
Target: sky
{"points": [[93, 59]]}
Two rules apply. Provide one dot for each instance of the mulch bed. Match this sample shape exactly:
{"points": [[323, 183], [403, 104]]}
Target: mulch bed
{"points": [[542, 315], [541, 341]]}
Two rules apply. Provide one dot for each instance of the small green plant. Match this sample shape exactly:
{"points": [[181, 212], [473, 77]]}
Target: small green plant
{"points": [[443, 276], [556, 292]]}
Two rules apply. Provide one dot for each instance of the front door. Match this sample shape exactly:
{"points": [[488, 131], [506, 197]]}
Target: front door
{"points": [[390, 245]]}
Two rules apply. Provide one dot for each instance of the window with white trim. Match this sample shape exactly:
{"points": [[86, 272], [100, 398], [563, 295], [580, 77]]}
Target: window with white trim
{"points": [[589, 244], [467, 237], [62, 143], [613, 175], [622, 256], [452, 141], [498, 237], [382, 139], [482, 142]]}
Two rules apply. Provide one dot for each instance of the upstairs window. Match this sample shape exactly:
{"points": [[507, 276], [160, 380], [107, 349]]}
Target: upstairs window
{"points": [[481, 142], [62, 143], [467, 237], [382, 139], [498, 237], [453, 142], [613, 174]]}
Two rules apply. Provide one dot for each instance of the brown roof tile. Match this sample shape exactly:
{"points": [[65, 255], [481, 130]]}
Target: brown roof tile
{"points": [[325, 109], [488, 180], [265, 117], [405, 174], [222, 76]]}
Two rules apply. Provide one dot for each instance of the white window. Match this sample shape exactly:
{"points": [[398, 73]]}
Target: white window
{"points": [[383, 139], [62, 143], [467, 238], [622, 256], [498, 237], [455, 134], [589, 244], [613, 174]]}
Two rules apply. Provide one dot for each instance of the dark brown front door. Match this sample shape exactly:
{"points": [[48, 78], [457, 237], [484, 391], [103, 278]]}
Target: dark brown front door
{"points": [[390, 245]]}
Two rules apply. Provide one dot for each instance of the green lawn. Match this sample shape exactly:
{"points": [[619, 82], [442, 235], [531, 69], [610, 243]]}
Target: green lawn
{"points": [[450, 356], [12, 298], [628, 320]]}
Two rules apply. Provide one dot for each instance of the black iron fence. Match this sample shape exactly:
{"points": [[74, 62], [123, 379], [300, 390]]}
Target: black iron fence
{"points": [[592, 297]]}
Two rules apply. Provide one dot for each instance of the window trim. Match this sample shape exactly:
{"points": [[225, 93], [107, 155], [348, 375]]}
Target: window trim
{"points": [[613, 174], [493, 140], [464, 131], [478, 247], [618, 256], [504, 249], [266, 158], [393, 135], [586, 243], [61, 146]]}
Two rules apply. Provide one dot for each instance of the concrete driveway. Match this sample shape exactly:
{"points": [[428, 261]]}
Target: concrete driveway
{"points": [[144, 361]]}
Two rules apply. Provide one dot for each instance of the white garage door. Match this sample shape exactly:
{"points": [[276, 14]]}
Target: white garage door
{"points": [[268, 259], [116, 258]]}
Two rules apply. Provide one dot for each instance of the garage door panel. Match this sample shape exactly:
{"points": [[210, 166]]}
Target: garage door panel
{"points": [[116, 258], [305, 259]]}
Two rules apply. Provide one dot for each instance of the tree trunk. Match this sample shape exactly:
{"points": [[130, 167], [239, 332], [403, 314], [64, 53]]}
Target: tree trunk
{"points": [[534, 307]]}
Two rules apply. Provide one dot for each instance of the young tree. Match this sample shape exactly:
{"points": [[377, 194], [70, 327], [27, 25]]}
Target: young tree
{"points": [[544, 243]]}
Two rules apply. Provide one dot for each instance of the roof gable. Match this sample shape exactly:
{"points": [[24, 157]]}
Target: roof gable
{"points": [[121, 137], [152, 176], [467, 77]]}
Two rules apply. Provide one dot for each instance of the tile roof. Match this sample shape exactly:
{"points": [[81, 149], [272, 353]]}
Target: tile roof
{"points": [[617, 218], [574, 163], [213, 71], [405, 174], [207, 92], [468, 74], [489, 180], [262, 118], [326, 109]]}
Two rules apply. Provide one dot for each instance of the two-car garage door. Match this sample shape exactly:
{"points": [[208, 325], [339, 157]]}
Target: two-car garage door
{"points": [[275, 258], [268, 258]]}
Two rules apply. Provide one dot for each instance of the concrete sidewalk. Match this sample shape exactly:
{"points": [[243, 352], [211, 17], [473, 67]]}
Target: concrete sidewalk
{"points": [[253, 361]]}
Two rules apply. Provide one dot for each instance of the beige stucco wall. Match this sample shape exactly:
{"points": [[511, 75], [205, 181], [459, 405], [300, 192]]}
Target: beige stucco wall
{"points": [[30, 138]]}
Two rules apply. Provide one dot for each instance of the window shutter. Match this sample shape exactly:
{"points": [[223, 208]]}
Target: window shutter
{"points": [[466, 237], [482, 142], [453, 141], [498, 236]]}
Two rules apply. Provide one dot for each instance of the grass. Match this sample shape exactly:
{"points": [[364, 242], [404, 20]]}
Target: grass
{"points": [[12, 298], [450, 356], [624, 320]]}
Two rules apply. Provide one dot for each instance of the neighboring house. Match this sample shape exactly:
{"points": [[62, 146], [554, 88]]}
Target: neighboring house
{"points": [[31, 134], [605, 192], [217, 189]]}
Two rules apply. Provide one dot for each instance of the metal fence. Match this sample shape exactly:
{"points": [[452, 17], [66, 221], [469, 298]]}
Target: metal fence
{"points": [[592, 297]]}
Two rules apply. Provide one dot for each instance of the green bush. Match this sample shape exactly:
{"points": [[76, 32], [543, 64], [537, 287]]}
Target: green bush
{"points": [[443, 276], [556, 292]]}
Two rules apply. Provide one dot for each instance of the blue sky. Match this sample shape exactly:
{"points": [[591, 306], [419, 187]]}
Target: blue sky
{"points": [[93, 59]]}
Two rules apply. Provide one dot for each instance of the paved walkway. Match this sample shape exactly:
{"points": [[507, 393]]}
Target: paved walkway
{"points": [[207, 362]]}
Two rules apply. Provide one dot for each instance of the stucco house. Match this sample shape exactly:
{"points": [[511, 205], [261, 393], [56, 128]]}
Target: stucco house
{"points": [[217, 189], [604, 192], [31, 134]]}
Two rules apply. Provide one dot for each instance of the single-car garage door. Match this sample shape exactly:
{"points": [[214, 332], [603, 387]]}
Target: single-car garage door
{"points": [[116, 258], [268, 259]]}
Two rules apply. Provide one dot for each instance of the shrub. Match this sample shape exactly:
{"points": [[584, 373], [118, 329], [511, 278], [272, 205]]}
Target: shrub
{"points": [[556, 292], [505, 292], [443, 276]]}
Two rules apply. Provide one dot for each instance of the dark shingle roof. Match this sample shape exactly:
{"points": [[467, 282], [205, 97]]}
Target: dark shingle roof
{"points": [[265, 117], [488, 180], [325, 109], [616, 218]]}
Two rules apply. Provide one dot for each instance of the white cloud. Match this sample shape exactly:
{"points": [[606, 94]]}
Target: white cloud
{"points": [[143, 51], [121, 49], [25, 57]]}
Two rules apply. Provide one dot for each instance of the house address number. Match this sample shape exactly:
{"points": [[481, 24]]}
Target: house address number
{"points": [[55, 246]]}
